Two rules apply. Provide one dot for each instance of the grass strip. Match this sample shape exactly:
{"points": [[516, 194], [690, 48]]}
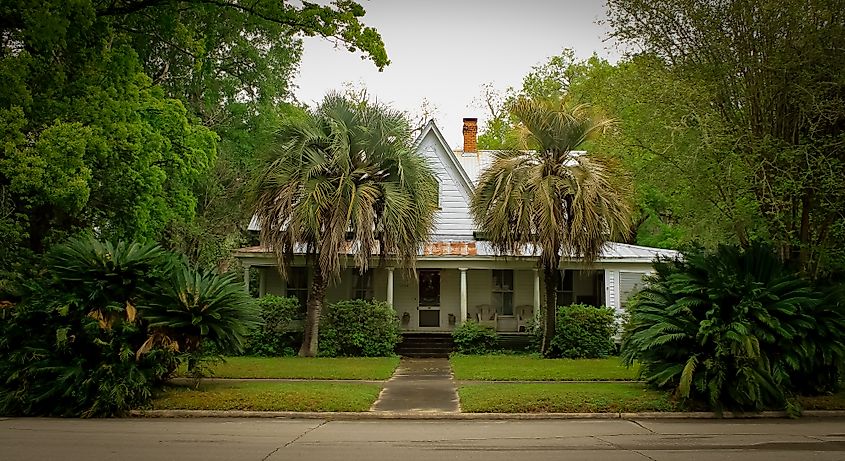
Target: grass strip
{"points": [[269, 396], [823, 402], [562, 398], [373, 368], [534, 368]]}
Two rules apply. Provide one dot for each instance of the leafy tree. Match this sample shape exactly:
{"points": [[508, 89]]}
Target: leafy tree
{"points": [[547, 198], [113, 112], [679, 196], [737, 329], [344, 180], [771, 74]]}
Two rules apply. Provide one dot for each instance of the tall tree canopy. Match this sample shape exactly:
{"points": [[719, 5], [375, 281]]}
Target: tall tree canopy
{"points": [[127, 117], [731, 119], [345, 180], [773, 76]]}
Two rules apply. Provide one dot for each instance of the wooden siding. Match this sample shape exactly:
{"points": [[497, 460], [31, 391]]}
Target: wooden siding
{"points": [[453, 218]]}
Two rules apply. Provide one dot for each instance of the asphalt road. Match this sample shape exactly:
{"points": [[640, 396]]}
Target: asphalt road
{"points": [[404, 440]]}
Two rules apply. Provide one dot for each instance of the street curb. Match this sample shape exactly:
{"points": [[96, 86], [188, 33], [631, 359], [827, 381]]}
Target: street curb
{"points": [[385, 415]]}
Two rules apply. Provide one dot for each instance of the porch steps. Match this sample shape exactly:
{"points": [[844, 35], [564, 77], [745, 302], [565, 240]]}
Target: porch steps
{"points": [[424, 345]]}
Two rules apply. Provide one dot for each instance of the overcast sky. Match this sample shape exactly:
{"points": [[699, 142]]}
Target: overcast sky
{"points": [[443, 50]]}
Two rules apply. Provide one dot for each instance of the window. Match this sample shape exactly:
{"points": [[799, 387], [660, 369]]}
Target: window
{"points": [[565, 291], [503, 291], [297, 285], [363, 284], [429, 287]]}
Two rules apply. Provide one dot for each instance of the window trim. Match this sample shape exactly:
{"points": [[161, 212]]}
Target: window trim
{"points": [[494, 291], [367, 290], [561, 290]]}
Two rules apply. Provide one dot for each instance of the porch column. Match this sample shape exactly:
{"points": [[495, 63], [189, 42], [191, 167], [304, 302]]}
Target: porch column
{"points": [[246, 277], [262, 282], [463, 294], [390, 286], [536, 295]]}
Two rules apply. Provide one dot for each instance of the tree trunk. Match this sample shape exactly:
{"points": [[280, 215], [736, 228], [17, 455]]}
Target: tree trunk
{"points": [[550, 275], [316, 298]]}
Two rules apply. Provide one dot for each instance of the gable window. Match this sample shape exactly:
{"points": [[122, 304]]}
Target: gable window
{"points": [[363, 284], [297, 285], [565, 291], [503, 291]]}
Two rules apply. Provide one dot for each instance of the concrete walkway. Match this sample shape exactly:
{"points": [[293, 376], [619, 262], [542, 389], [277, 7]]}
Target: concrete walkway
{"points": [[419, 385]]}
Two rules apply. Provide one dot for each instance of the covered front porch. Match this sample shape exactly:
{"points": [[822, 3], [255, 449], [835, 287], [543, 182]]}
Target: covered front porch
{"points": [[508, 300], [438, 295]]}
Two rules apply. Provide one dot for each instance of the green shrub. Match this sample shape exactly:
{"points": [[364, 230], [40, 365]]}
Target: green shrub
{"points": [[583, 332], [276, 336], [472, 338], [358, 328], [106, 322], [736, 329], [535, 334]]}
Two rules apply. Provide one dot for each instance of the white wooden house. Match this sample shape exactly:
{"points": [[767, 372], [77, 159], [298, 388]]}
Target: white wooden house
{"points": [[459, 277]]}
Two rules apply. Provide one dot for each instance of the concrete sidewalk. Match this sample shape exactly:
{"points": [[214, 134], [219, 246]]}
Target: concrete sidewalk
{"points": [[419, 386]]}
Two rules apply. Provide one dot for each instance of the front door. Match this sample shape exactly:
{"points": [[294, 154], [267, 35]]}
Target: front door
{"points": [[429, 298]]}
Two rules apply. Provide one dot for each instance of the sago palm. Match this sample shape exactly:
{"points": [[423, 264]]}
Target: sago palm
{"points": [[192, 306], [344, 181], [544, 196], [736, 329]]}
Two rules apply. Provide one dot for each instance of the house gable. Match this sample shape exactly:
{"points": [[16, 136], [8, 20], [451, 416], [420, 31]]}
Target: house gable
{"points": [[453, 220]]}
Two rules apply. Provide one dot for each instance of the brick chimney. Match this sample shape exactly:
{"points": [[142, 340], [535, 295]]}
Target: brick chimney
{"points": [[470, 135]]}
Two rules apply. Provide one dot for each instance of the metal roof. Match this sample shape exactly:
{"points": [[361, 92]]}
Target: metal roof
{"points": [[470, 165]]}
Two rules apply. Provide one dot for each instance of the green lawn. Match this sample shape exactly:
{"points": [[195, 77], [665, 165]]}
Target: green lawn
{"points": [[377, 368], [269, 396], [532, 368], [562, 398]]}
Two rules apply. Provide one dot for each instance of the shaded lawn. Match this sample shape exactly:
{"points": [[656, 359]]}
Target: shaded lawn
{"points": [[562, 398], [533, 368], [269, 396], [373, 368], [823, 402]]}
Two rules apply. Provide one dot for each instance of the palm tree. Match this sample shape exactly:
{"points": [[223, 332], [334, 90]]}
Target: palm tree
{"points": [[546, 198], [344, 181]]}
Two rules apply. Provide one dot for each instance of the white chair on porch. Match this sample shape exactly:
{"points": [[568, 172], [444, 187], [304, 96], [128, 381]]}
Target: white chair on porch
{"points": [[524, 315], [487, 315]]}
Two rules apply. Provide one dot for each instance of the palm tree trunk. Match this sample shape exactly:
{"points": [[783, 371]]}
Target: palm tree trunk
{"points": [[550, 275], [316, 298]]}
